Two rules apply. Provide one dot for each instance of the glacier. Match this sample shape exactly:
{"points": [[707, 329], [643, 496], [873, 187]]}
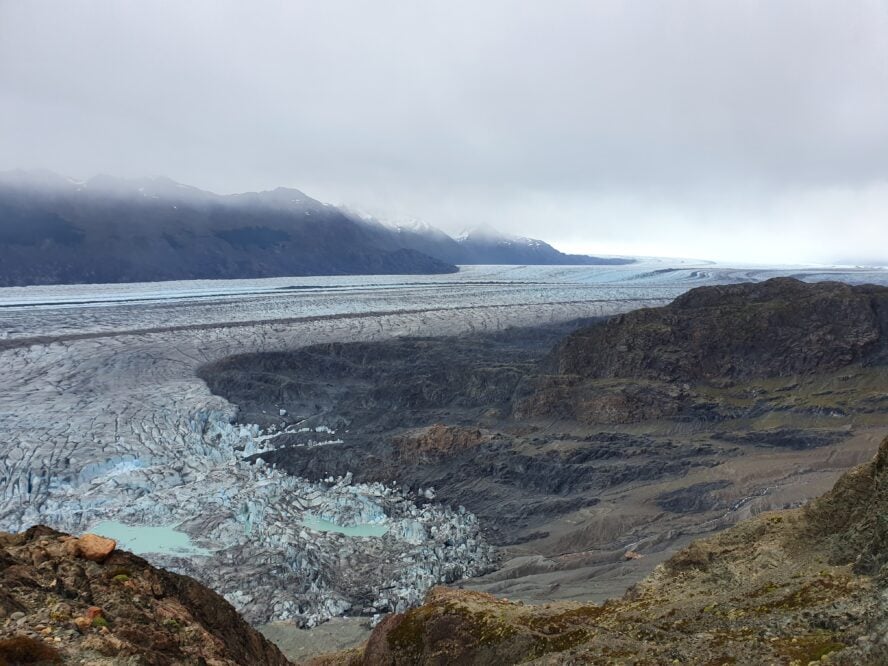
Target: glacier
{"points": [[102, 418]]}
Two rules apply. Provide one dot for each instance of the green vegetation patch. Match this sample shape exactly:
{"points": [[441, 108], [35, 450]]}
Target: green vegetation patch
{"points": [[818, 591], [807, 648]]}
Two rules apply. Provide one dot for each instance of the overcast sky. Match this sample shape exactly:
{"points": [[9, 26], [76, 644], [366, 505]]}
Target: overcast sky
{"points": [[752, 131]]}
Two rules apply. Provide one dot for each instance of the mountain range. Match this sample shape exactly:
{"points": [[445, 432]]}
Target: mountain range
{"points": [[55, 230]]}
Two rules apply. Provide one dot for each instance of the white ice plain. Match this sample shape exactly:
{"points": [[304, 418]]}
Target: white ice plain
{"points": [[104, 423]]}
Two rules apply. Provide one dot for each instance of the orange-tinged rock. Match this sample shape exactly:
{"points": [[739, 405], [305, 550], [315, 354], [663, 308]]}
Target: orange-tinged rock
{"points": [[82, 623], [93, 612], [95, 548], [632, 555]]}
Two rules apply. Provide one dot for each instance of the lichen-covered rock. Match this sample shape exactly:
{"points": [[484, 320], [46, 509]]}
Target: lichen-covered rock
{"points": [[117, 610]]}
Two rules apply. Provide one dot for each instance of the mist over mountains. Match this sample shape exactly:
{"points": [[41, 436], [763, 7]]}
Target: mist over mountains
{"points": [[54, 230]]}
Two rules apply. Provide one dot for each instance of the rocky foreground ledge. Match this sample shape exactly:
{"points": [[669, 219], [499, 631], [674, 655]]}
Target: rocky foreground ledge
{"points": [[800, 586], [81, 601]]}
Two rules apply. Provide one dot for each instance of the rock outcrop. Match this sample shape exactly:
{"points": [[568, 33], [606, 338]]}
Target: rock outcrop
{"points": [[91, 547], [777, 328], [59, 607], [437, 441], [651, 363]]}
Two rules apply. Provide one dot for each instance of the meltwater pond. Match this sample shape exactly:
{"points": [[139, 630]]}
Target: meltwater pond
{"points": [[365, 530], [141, 539]]}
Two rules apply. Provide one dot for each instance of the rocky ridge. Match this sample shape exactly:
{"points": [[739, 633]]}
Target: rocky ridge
{"points": [[62, 600], [776, 328], [667, 362]]}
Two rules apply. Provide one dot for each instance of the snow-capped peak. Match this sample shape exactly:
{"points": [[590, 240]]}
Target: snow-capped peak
{"points": [[488, 234], [415, 225]]}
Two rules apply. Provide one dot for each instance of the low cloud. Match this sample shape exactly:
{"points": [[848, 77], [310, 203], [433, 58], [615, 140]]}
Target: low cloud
{"points": [[754, 130]]}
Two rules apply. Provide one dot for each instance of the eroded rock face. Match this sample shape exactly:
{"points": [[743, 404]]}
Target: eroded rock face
{"points": [[853, 518], [511, 484], [779, 327], [119, 610], [605, 403], [437, 441]]}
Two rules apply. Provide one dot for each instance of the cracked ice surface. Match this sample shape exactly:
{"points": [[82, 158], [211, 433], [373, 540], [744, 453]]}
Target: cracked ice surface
{"points": [[102, 418]]}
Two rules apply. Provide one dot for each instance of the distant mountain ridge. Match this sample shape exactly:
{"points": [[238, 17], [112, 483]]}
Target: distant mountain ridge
{"points": [[485, 245], [56, 230]]}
